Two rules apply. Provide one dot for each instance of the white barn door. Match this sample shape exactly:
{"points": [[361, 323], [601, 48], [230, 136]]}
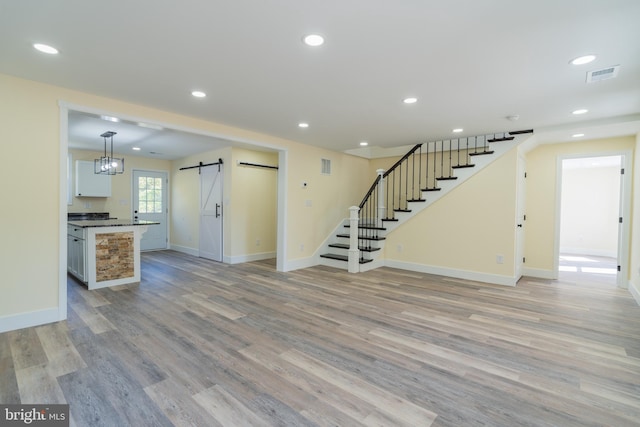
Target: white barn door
{"points": [[211, 213]]}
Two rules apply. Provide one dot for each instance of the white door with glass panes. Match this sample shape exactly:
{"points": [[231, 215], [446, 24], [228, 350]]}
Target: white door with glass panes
{"points": [[150, 204]]}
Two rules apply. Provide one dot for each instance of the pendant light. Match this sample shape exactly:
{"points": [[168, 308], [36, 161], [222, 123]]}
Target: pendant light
{"points": [[107, 164]]}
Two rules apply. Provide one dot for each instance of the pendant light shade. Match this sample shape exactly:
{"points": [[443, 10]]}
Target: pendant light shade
{"points": [[107, 164]]}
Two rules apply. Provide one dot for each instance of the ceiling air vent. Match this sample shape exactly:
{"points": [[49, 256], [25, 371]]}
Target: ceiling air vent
{"points": [[603, 74]]}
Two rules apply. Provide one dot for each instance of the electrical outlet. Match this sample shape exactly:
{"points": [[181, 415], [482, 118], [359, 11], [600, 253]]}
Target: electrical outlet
{"points": [[499, 259], [399, 248], [257, 242], [301, 247]]}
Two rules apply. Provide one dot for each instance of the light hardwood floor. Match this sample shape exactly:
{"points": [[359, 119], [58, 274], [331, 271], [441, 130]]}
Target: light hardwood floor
{"points": [[198, 343]]}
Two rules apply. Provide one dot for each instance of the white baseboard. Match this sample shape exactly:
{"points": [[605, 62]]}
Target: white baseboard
{"points": [[539, 273], [27, 320], [239, 259], [635, 292], [185, 249], [495, 279]]}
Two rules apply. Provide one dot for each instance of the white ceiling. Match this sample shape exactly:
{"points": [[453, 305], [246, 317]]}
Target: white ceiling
{"points": [[470, 63], [153, 140]]}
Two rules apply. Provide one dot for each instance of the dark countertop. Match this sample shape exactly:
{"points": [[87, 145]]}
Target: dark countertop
{"points": [[110, 223]]}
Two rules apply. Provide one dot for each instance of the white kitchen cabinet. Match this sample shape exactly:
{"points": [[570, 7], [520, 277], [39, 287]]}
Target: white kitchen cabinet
{"points": [[90, 184], [77, 252]]}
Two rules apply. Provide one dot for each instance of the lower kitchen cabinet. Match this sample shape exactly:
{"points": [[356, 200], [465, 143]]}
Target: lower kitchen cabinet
{"points": [[77, 252]]}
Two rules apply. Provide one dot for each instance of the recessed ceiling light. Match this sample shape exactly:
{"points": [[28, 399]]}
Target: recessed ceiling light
{"points": [[581, 60], [458, 130], [303, 125], [45, 48], [313, 40], [364, 143], [110, 119], [198, 94], [580, 111], [577, 135], [410, 100], [135, 148]]}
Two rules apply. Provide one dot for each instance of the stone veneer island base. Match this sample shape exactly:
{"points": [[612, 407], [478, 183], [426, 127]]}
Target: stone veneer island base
{"points": [[111, 253]]}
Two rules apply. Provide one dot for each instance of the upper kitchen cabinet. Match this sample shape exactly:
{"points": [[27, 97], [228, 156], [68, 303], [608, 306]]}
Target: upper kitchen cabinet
{"points": [[90, 184]]}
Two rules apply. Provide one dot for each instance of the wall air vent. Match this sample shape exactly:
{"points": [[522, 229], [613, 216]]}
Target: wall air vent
{"points": [[603, 74], [325, 168]]}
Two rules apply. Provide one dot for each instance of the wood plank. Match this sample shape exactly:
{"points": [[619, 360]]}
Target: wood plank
{"points": [[177, 404], [226, 409], [9, 392], [393, 406], [39, 385], [62, 356], [26, 348]]}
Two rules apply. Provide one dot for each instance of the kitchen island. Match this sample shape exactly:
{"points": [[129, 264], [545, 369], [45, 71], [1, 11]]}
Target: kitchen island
{"points": [[103, 253]]}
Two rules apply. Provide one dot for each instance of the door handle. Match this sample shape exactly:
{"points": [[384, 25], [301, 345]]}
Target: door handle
{"points": [[217, 210], [520, 225]]}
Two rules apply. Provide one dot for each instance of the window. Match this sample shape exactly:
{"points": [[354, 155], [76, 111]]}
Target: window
{"points": [[149, 194]]}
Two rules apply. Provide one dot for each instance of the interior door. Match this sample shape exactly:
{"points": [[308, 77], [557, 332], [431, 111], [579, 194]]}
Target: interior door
{"points": [[211, 212], [150, 204], [520, 219]]}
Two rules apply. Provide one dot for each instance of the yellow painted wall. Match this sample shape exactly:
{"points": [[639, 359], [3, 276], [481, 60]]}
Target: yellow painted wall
{"points": [[634, 269], [29, 193], [30, 190], [314, 211], [467, 228], [252, 207], [249, 202], [542, 168], [119, 204]]}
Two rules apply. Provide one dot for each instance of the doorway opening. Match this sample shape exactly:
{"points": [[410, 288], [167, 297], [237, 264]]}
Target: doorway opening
{"points": [[591, 208]]}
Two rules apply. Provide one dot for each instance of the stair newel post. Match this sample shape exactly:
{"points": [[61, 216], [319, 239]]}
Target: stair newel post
{"points": [[354, 252], [381, 208]]}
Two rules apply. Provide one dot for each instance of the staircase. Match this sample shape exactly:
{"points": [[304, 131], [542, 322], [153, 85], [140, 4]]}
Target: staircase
{"points": [[423, 175]]}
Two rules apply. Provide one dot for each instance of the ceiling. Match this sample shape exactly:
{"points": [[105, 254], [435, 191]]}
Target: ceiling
{"points": [[151, 139], [470, 63]]}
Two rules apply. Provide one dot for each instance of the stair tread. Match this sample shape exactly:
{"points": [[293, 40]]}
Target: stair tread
{"points": [[362, 237], [463, 166], [345, 246], [431, 189], [446, 178], [344, 258], [481, 153], [390, 219], [416, 200], [402, 210], [506, 138], [366, 227]]}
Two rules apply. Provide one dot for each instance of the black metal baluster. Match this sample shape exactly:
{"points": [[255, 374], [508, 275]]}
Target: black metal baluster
{"points": [[435, 156], [420, 174], [450, 161]]}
